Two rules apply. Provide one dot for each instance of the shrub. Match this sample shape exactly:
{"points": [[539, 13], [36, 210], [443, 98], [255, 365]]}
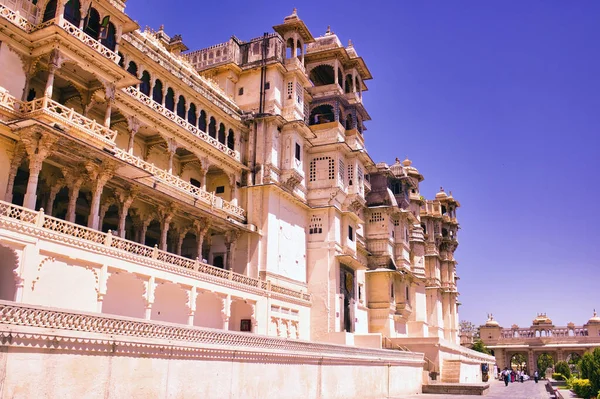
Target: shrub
{"points": [[563, 368], [558, 376], [582, 388], [590, 368]]}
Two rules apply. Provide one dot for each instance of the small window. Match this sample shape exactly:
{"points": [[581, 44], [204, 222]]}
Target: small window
{"points": [[220, 190], [195, 183], [350, 233], [240, 91], [267, 85], [297, 151]]}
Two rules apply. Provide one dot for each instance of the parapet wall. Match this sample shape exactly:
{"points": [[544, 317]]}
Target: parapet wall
{"points": [[54, 353]]}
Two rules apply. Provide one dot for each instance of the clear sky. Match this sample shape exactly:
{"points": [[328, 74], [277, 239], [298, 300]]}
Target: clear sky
{"points": [[498, 101]]}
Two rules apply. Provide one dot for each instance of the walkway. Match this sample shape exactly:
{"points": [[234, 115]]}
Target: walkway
{"points": [[516, 390]]}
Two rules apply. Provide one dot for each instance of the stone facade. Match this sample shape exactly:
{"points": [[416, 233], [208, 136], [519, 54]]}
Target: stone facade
{"points": [[226, 188]]}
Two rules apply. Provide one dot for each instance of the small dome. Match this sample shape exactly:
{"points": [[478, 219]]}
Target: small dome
{"points": [[407, 162], [491, 322], [595, 318], [442, 194], [397, 169]]}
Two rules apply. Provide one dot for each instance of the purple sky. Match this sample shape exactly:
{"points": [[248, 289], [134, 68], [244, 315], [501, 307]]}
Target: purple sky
{"points": [[498, 101]]}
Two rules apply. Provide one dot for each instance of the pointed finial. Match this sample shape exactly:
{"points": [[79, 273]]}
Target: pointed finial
{"points": [[350, 44], [295, 12], [441, 189], [328, 32], [161, 28]]}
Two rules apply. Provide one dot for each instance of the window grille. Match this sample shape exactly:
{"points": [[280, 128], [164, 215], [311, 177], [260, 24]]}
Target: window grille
{"points": [[319, 165], [316, 225], [376, 217]]}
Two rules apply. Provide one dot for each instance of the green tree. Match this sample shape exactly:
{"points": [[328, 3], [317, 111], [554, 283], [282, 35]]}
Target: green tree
{"points": [[563, 368], [479, 346], [589, 366], [544, 362]]}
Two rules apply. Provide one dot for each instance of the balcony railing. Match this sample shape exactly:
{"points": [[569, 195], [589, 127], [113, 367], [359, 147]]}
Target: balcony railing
{"points": [[89, 41], [141, 97], [37, 224], [15, 18]]}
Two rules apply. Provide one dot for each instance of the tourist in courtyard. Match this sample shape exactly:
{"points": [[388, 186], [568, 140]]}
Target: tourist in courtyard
{"points": [[521, 376], [536, 376], [506, 375]]}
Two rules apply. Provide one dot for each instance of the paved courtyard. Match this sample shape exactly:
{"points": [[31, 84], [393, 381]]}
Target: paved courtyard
{"points": [[516, 390]]}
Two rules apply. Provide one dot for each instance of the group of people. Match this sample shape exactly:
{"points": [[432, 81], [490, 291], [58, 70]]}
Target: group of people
{"points": [[509, 375]]}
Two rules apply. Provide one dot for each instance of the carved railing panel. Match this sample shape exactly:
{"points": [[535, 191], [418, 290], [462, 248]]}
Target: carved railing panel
{"points": [[15, 18], [89, 41]]}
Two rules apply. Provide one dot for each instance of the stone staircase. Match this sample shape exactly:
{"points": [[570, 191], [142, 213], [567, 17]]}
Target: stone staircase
{"points": [[451, 372]]}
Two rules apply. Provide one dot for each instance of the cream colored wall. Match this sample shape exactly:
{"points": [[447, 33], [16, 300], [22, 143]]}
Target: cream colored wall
{"points": [[12, 76]]}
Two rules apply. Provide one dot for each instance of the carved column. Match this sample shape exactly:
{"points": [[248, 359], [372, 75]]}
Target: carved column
{"points": [[38, 148], [134, 125], [180, 237], [145, 223], [29, 69], [166, 215], [118, 35], [171, 149], [110, 98], [125, 200], [17, 158], [201, 227], [104, 205], [99, 175], [54, 189], [233, 189], [150, 288], [230, 240], [192, 305], [226, 311], [74, 181], [53, 66]]}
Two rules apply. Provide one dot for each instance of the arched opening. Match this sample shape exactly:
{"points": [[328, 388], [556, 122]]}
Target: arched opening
{"points": [[132, 68], [31, 95], [212, 128], [170, 304], [152, 237], [124, 296], [110, 41], [222, 138], [91, 26], [218, 261], [170, 100], [8, 263], [145, 84], [340, 78], [349, 122], [82, 207], [72, 12], [289, 48], [299, 49], [157, 92], [189, 247], [518, 361], [218, 182], [49, 11], [181, 107], [192, 117], [231, 140], [322, 114], [348, 84], [322, 75], [545, 361], [241, 316], [111, 219], [208, 310], [202, 121]]}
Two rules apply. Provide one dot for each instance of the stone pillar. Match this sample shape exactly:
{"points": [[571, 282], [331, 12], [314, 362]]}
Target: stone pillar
{"points": [[53, 66], [17, 158], [104, 205], [226, 311], [150, 288], [118, 34], [52, 196], [230, 239], [29, 69], [125, 200], [192, 305], [171, 149], [74, 186], [201, 227], [38, 148], [99, 175], [110, 98], [166, 215], [144, 229], [354, 80], [203, 178], [336, 67], [134, 125], [254, 319], [233, 189], [181, 236]]}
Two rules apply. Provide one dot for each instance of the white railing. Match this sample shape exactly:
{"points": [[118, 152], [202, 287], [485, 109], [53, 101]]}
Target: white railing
{"points": [[89, 41], [135, 93], [68, 115], [15, 18], [9, 102], [180, 184], [38, 224]]}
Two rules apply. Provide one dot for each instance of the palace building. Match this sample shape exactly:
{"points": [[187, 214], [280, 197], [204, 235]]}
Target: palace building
{"points": [[168, 208]]}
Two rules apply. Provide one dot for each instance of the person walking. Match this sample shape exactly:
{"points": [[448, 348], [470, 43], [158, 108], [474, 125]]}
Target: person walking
{"points": [[506, 375], [521, 376], [536, 376]]}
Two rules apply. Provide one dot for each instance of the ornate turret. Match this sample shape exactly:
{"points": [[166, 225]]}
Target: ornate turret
{"points": [[491, 322], [542, 319]]}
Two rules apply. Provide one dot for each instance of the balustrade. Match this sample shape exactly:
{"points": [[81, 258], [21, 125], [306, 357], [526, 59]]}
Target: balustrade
{"points": [[38, 224], [89, 41], [15, 18]]}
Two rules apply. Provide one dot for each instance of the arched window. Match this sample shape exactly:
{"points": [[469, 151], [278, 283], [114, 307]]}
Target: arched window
{"points": [[231, 140], [170, 100], [111, 37], [212, 128], [181, 107], [157, 92], [289, 48], [322, 114], [50, 11], [121, 60], [322, 75], [349, 122], [145, 85], [191, 116], [132, 68], [91, 26], [72, 12], [222, 133], [299, 49], [202, 121]]}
